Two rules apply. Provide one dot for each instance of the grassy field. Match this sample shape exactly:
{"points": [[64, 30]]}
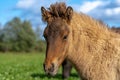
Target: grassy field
{"points": [[26, 67]]}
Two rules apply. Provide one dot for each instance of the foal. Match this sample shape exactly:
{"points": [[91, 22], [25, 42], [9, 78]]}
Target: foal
{"points": [[91, 47]]}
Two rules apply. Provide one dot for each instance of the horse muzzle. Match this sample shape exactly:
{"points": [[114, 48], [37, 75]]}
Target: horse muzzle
{"points": [[50, 70]]}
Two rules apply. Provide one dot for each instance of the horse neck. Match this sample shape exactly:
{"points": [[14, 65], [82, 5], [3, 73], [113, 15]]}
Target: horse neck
{"points": [[77, 53], [83, 38]]}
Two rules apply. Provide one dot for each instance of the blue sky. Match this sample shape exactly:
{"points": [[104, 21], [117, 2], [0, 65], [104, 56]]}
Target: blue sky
{"points": [[106, 10]]}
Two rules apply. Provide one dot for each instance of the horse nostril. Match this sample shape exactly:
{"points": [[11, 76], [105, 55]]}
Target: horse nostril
{"points": [[52, 65], [51, 69]]}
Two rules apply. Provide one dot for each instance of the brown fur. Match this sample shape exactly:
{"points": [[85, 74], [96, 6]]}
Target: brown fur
{"points": [[91, 46]]}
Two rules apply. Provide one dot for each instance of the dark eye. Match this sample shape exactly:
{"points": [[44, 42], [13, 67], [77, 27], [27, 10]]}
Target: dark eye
{"points": [[65, 37], [45, 36]]}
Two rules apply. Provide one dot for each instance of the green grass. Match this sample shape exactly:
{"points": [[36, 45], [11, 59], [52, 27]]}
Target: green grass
{"points": [[26, 67]]}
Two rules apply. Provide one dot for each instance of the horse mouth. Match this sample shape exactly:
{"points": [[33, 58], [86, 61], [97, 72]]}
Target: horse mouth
{"points": [[52, 73]]}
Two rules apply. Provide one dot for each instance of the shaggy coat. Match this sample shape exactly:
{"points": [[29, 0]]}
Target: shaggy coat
{"points": [[67, 66], [96, 49], [93, 49]]}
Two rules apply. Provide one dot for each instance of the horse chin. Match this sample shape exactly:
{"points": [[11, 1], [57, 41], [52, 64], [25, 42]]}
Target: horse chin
{"points": [[53, 73]]}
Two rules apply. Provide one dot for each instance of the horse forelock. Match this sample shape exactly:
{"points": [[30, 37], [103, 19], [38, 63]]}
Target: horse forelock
{"points": [[58, 10]]}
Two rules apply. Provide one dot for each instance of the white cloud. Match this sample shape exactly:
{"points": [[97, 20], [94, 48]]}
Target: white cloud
{"points": [[31, 9], [117, 10], [25, 3], [112, 12], [88, 6], [34, 5], [118, 2], [106, 10]]}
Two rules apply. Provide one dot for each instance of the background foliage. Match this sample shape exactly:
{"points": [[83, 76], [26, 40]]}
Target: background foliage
{"points": [[19, 36]]}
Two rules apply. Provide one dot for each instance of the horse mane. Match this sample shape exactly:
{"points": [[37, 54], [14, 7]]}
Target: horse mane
{"points": [[58, 9]]}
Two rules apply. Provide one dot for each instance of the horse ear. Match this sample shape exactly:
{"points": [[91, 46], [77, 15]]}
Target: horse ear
{"points": [[69, 13], [45, 14]]}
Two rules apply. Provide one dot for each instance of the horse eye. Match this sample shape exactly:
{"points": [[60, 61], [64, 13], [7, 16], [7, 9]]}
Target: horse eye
{"points": [[65, 37], [45, 36]]}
